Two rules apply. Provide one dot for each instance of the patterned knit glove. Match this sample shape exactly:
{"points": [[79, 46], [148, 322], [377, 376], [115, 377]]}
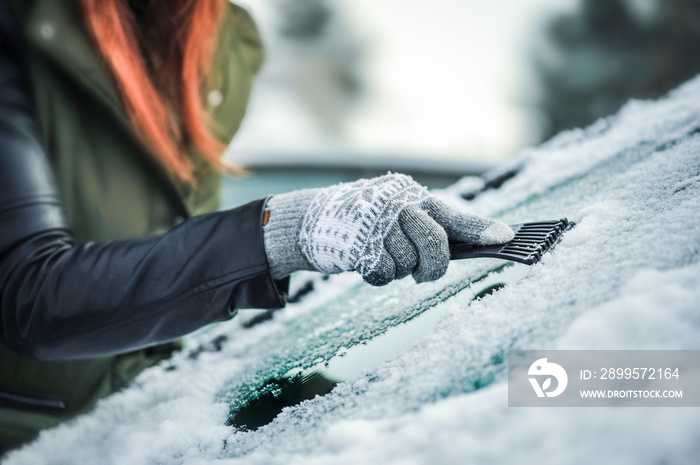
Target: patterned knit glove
{"points": [[384, 228]]}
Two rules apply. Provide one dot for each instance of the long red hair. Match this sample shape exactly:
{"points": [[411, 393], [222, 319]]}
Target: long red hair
{"points": [[160, 62]]}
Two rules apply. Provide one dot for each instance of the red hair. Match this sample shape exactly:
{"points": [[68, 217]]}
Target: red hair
{"points": [[160, 62]]}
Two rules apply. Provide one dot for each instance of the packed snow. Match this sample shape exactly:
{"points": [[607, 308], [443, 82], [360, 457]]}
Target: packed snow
{"points": [[626, 277]]}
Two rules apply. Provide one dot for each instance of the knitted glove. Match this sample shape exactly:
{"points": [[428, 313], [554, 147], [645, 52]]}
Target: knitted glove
{"points": [[384, 228]]}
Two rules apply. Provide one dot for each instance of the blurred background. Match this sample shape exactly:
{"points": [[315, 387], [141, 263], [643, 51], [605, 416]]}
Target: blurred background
{"points": [[445, 88]]}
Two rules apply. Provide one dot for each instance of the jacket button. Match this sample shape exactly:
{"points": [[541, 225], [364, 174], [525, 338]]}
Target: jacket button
{"points": [[215, 98], [47, 31]]}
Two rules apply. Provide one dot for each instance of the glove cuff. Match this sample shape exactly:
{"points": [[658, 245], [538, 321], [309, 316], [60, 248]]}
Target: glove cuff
{"points": [[281, 232]]}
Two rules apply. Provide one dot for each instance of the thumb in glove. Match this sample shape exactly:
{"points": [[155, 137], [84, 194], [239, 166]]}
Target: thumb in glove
{"points": [[418, 243]]}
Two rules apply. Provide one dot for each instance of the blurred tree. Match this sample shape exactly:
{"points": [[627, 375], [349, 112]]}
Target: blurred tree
{"points": [[590, 62], [325, 58], [304, 19]]}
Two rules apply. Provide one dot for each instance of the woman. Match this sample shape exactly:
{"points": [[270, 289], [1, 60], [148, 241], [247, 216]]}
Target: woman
{"points": [[113, 118]]}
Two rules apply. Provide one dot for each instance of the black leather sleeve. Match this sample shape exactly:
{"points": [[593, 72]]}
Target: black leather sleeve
{"points": [[60, 299]]}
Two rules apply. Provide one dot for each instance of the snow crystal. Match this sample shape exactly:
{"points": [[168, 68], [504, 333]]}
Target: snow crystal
{"points": [[626, 277]]}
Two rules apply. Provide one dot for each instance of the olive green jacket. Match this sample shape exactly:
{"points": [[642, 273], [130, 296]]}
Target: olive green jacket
{"points": [[112, 185]]}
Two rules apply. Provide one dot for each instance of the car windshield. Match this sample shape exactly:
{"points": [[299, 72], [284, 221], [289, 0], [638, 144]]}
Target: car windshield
{"points": [[352, 334], [626, 277]]}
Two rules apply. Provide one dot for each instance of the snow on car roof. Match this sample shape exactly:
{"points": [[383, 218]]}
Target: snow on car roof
{"points": [[627, 277]]}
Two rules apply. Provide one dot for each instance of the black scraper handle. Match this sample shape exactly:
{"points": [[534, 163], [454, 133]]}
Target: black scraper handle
{"points": [[531, 241]]}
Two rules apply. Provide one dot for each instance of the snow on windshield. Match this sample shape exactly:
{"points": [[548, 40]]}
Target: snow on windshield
{"points": [[627, 277]]}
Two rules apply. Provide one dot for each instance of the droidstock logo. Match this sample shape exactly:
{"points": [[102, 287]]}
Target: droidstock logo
{"points": [[542, 368]]}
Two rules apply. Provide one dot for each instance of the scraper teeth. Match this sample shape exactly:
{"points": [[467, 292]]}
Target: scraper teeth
{"points": [[531, 241], [535, 238]]}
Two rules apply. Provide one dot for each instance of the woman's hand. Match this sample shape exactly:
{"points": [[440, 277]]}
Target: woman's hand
{"points": [[384, 228]]}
